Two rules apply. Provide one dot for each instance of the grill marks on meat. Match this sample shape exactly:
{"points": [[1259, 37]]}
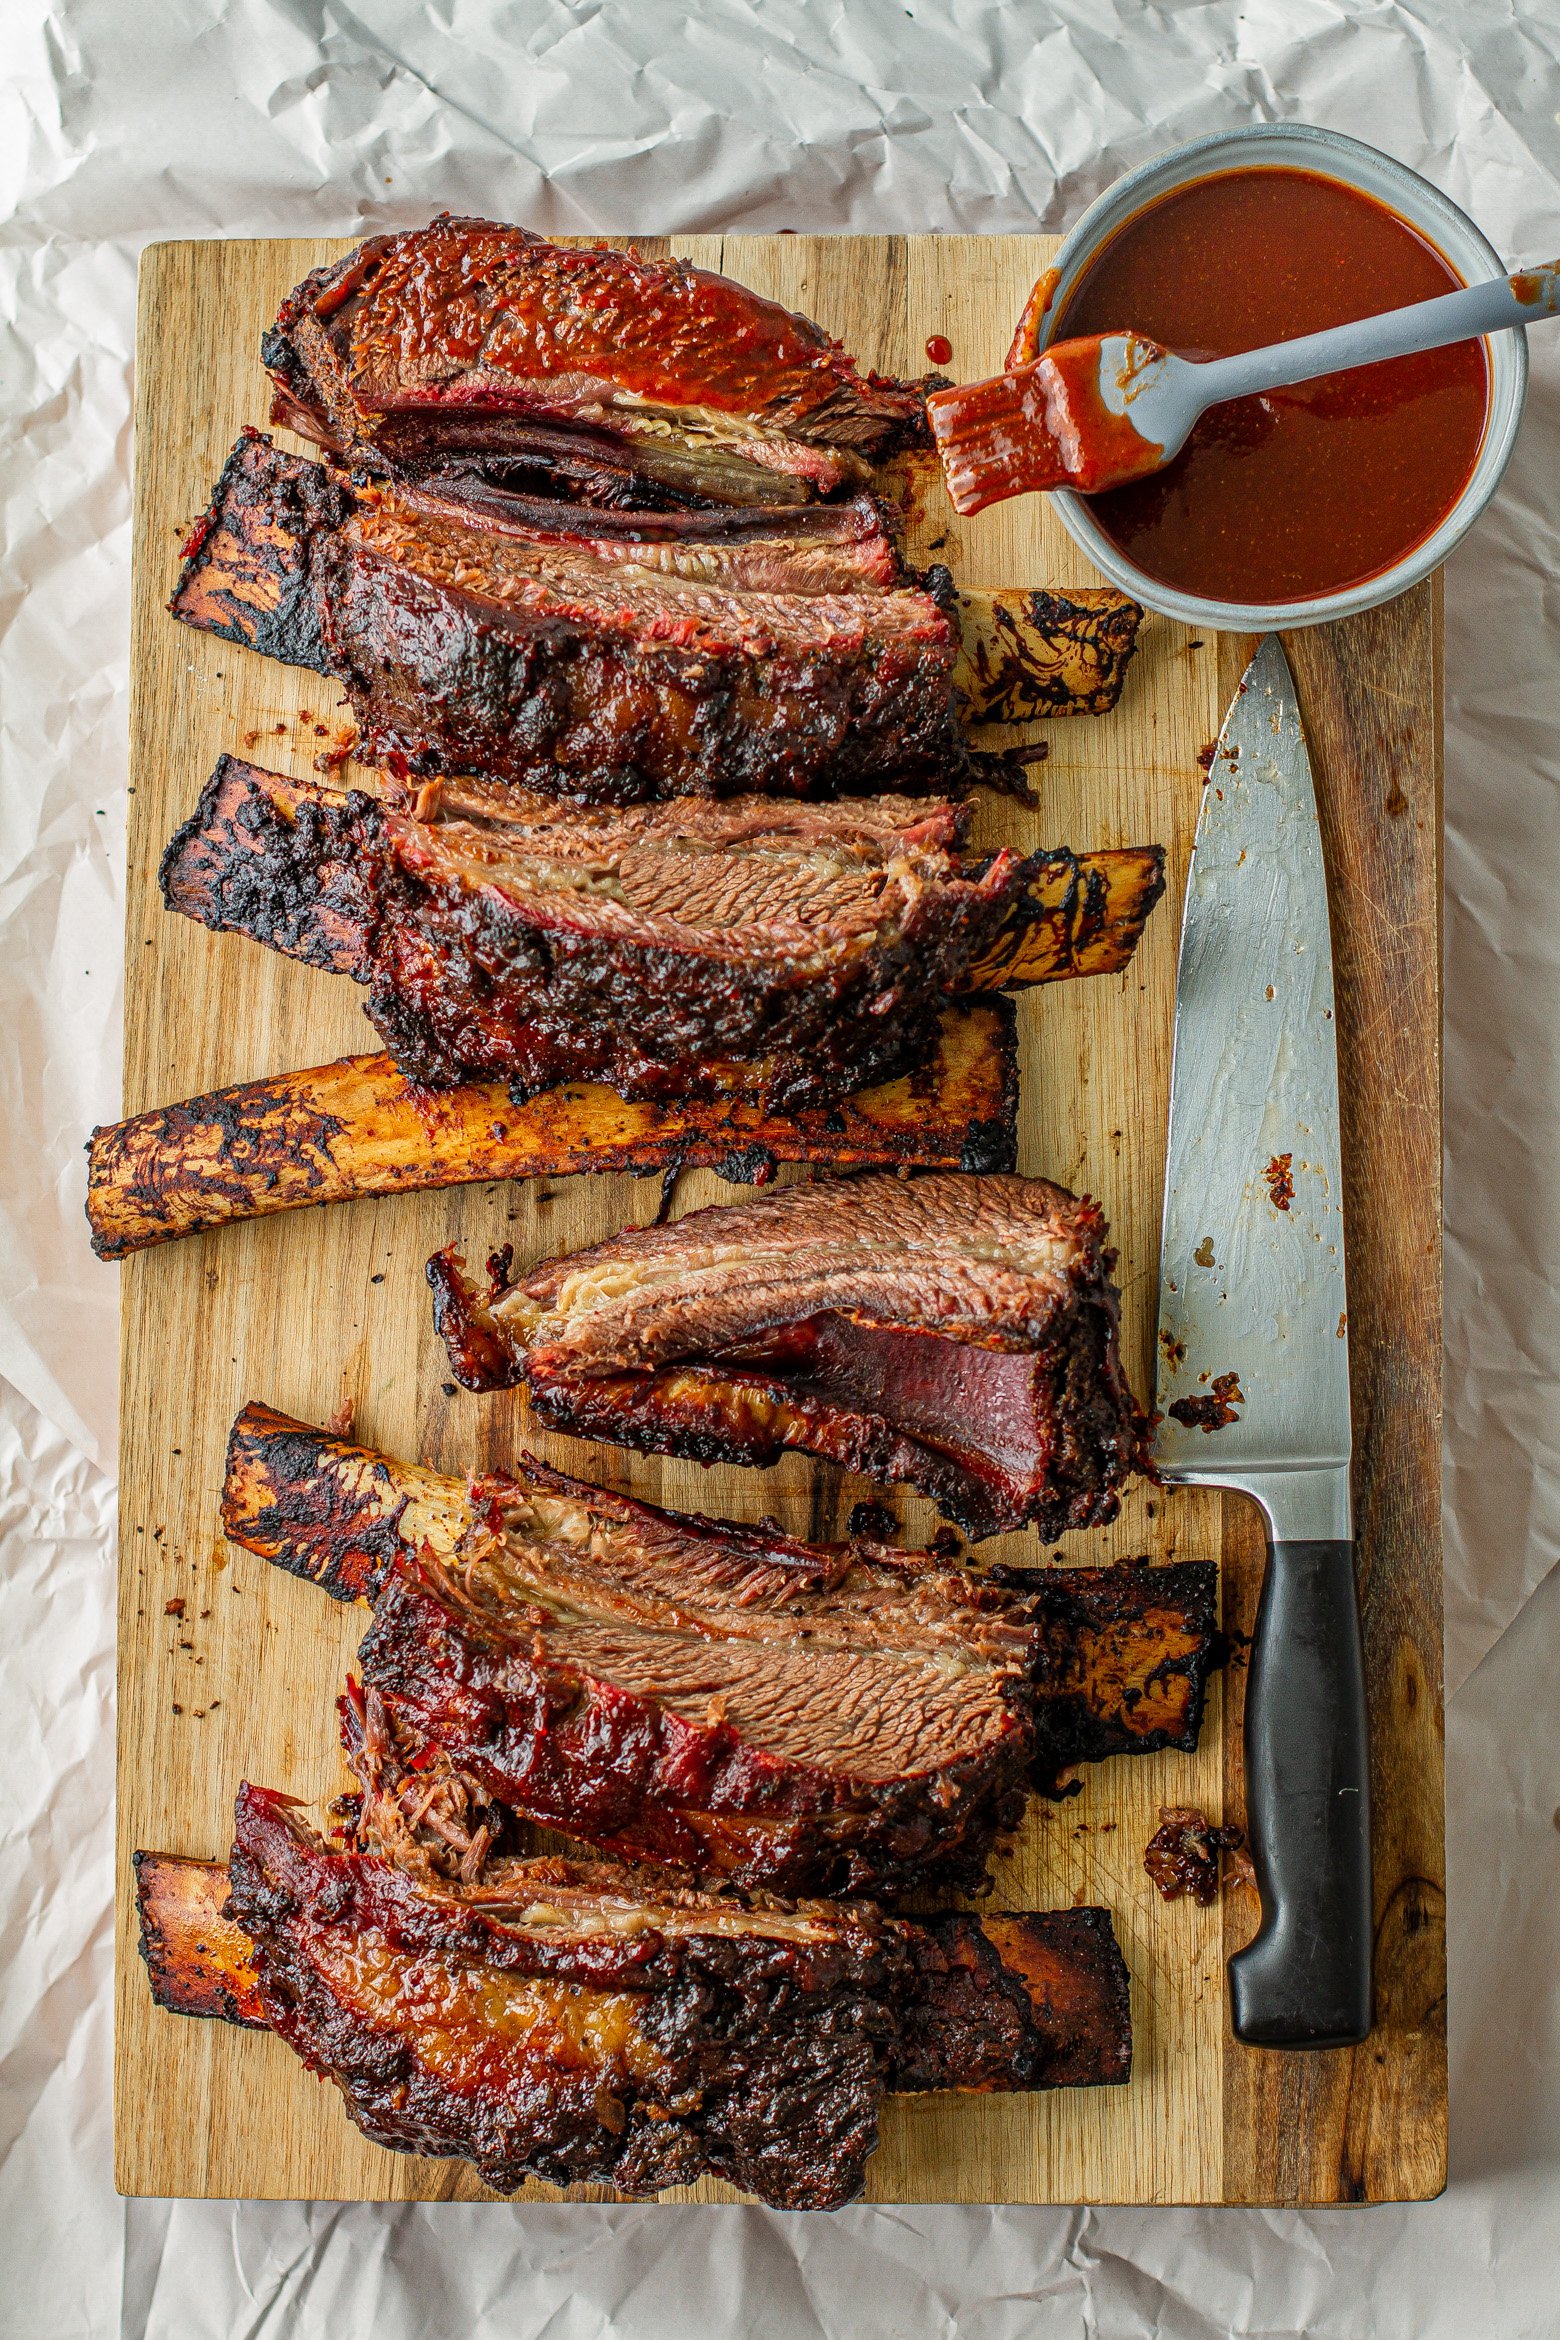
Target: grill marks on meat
{"points": [[359, 1127], [791, 954], [956, 1333], [471, 339], [714, 1698], [575, 2021]]}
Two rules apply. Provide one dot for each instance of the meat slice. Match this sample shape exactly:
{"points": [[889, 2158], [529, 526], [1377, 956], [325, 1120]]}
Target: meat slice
{"points": [[576, 2021], [336, 1132], [436, 342], [557, 2023], [956, 1333], [819, 549], [620, 657], [473, 640], [250, 564], [790, 954], [721, 1700]]}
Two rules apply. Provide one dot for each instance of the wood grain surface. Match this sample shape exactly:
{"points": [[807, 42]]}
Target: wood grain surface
{"points": [[229, 1669]]}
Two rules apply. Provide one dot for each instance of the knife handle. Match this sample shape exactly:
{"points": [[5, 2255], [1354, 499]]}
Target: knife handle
{"points": [[1304, 1978]]}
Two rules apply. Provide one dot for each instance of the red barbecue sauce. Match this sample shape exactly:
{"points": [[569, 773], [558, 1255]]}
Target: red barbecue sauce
{"points": [[939, 349], [1302, 491]]}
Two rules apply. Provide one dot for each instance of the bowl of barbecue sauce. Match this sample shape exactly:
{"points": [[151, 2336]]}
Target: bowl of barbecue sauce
{"points": [[1313, 502]]}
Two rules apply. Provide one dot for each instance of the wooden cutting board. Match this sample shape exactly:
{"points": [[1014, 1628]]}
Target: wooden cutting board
{"points": [[309, 1309]]}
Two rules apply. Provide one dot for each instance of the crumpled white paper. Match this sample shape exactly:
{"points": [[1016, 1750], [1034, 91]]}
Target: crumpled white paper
{"points": [[197, 117]]}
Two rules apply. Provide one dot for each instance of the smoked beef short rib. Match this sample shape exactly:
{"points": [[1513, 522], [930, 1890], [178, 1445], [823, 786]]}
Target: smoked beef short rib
{"points": [[789, 953], [472, 636], [469, 340], [577, 2022], [956, 1333], [716, 1699], [615, 658]]}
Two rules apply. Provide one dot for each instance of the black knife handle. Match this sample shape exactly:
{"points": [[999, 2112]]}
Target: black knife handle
{"points": [[1304, 1978]]}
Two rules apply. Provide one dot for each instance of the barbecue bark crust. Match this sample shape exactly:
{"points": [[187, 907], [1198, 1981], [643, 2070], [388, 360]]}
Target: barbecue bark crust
{"points": [[641, 2059], [474, 637], [721, 1700], [470, 340], [956, 1333], [793, 954], [618, 657], [575, 2021]]}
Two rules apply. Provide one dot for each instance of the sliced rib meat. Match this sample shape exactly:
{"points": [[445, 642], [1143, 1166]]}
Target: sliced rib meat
{"points": [[577, 2021], [789, 954], [721, 1700], [619, 657], [957, 1333], [470, 339]]}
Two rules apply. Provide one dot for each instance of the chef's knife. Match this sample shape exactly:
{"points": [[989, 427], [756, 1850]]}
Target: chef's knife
{"points": [[1253, 1331]]}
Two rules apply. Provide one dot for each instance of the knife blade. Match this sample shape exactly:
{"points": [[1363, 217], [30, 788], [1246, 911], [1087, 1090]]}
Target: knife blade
{"points": [[1253, 1353]]}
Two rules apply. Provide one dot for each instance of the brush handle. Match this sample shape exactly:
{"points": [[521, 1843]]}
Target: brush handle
{"points": [[1519, 299]]}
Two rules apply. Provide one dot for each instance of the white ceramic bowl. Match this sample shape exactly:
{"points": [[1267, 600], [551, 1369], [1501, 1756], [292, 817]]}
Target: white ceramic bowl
{"points": [[1296, 146]]}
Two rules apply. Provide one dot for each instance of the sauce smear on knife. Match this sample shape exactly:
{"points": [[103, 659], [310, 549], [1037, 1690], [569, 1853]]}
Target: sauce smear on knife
{"points": [[1302, 491]]}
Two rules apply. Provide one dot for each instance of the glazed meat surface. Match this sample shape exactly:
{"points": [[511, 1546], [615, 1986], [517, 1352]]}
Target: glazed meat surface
{"points": [[955, 1333], [792, 954], [556, 2023], [579, 2021], [469, 340], [717, 1699]]}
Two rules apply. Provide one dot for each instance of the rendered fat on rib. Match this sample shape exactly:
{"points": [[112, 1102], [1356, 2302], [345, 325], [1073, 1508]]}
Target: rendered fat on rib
{"points": [[792, 954], [621, 658], [722, 1700], [955, 1333], [581, 2022]]}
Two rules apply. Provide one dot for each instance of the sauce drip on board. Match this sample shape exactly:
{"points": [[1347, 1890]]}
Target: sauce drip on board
{"points": [[939, 349], [1302, 491]]}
